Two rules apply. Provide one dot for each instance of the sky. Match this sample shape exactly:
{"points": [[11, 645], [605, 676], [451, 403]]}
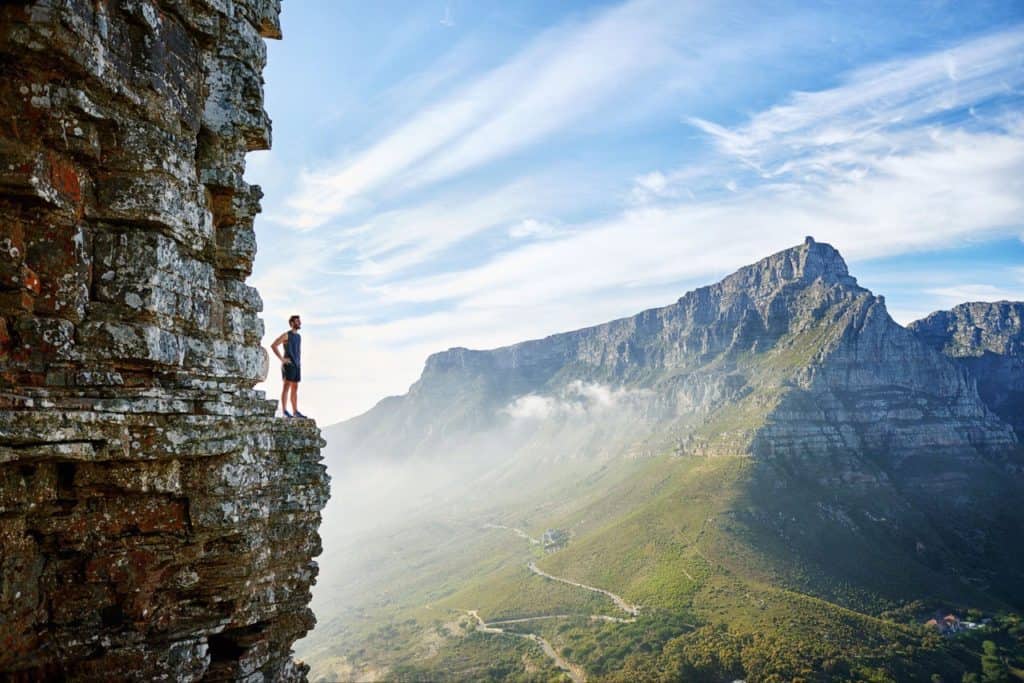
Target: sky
{"points": [[477, 173]]}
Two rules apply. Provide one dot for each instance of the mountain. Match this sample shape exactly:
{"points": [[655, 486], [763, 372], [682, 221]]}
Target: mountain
{"points": [[788, 355], [987, 340], [768, 459]]}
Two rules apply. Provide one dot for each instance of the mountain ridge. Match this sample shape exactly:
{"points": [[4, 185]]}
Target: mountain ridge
{"points": [[793, 333], [820, 260]]}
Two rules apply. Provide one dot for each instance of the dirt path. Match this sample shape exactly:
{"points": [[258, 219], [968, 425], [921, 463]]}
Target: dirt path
{"points": [[518, 532], [575, 672], [619, 602], [519, 621]]}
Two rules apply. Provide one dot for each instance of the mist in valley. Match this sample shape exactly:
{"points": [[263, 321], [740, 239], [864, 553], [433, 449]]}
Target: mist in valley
{"points": [[394, 527]]}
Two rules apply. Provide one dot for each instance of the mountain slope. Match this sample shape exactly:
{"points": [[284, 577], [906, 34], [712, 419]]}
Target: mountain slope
{"points": [[770, 457]]}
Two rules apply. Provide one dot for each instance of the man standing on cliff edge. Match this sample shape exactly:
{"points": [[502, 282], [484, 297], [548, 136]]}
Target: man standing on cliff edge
{"points": [[291, 364]]}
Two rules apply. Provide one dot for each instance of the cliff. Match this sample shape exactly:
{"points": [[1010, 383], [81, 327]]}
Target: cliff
{"points": [[156, 521], [987, 340]]}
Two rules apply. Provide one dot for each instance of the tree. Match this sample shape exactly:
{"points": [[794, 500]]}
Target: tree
{"points": [[993, 668]]}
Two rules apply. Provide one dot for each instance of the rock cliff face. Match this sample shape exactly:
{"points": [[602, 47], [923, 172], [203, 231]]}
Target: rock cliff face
{"points": [[987, 340], [787, 357], [156, 522]]}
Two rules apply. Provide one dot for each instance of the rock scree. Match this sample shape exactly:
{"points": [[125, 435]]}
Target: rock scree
{"points": [[156, 521]]}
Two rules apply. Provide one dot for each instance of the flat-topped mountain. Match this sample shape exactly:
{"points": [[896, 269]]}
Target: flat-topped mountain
{"points": [[788, 356], [770, 457]]}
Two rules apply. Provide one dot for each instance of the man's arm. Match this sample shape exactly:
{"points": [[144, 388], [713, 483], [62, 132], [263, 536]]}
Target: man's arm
{"points": [[277, 342]]}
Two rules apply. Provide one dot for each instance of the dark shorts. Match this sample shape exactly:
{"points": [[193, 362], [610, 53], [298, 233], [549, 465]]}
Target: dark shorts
{"points": [[290, 372]]}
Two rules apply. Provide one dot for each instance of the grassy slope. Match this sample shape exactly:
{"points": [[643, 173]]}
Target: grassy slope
{"points": [[676, 535]]}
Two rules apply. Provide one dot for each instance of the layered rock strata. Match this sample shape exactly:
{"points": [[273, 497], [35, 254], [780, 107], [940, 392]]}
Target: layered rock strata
{"points": [[156, 521], [987, 340]]}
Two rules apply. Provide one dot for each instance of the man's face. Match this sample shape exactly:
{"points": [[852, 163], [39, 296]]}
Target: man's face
{"points": [[297, 324]]}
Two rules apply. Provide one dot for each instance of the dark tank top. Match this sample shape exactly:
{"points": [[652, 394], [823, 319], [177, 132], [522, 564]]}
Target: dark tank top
{"points": [[293, 348]]}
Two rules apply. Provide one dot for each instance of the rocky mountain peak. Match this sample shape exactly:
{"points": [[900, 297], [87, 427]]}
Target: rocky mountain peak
{"points": [[759, 297], [974, 328], [987, 340], [798, 266]]}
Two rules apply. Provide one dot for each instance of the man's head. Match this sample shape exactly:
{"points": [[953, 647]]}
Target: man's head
{"points": [[295, 322]]}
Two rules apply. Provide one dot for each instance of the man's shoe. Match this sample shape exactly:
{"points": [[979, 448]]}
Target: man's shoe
{"points": [[286, 413], [298, 414]]}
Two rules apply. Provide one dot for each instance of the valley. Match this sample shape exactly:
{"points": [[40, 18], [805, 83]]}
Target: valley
{"points": [[768, 480]]}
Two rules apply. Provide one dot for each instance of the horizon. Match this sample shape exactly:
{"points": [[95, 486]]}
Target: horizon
{"points": [[496, 174]]}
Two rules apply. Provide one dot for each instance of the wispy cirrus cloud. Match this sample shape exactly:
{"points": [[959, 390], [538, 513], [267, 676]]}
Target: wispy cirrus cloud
{"points": [[560, 76], [900, 94], [391, 241], [877, 190], [945, 188]]}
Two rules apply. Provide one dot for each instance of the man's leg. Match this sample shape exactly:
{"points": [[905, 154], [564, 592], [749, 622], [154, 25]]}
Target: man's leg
{"points": [[284, 396], [295, 396]]}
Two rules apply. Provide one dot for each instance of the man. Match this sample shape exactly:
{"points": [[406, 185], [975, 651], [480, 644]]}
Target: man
{"points": [[291, 364]]}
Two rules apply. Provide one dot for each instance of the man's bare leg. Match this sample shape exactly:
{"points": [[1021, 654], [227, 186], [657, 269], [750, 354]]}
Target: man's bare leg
{"points": [[295, 397], [284, 396]]}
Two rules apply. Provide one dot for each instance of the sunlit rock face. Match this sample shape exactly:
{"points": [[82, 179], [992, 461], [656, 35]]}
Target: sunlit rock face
{"points": [[156, 521], [987, 339]]}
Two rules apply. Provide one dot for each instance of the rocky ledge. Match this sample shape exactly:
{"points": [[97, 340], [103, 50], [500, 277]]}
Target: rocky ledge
{"points": [[156, 521]]}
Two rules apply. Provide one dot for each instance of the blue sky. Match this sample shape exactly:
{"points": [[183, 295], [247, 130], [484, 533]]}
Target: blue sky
{"points": [[479, 173]]}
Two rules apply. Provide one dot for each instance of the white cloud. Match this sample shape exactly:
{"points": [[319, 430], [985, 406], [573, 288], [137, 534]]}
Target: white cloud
{"points": [[961, 293], [533, 407], [577, 399], [871, 188], [393, 240], [954, 186], [531, 227], [652, 186], [895, 94]]}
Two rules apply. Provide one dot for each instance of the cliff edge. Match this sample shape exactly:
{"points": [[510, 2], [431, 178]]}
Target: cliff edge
{"points": [[156, 521]]}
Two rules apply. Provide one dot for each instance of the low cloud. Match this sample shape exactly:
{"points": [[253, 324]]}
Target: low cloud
{"points": [[577, 399]]}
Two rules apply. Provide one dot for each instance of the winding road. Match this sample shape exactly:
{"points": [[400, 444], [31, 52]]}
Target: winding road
{"points": [[619, 602], [518, 532], [575, 672]]}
